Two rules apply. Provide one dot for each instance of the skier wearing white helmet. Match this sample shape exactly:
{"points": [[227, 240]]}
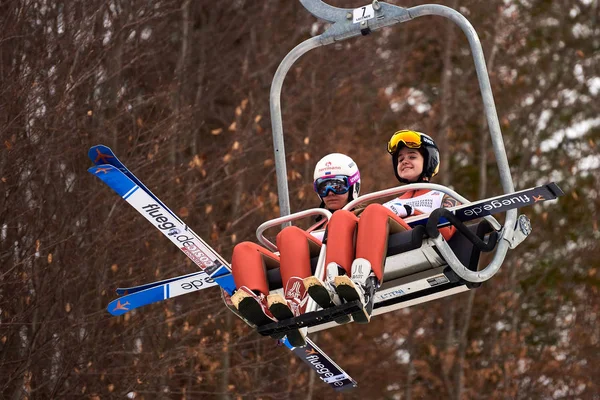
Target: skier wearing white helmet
{"points": [[415, 158], [336, 181], [338, 174]]}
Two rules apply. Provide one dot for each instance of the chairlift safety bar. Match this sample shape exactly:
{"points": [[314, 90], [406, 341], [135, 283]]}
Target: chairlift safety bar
{"points": [[286, 219]]}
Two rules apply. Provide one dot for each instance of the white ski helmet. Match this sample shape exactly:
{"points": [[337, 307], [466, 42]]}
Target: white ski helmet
{"points": [[337, 165]]}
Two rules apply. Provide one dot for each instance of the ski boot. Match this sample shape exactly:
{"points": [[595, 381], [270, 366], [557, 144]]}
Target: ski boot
{"points": [[292, 305], [324, 293], [361, 286], [252, 306]]}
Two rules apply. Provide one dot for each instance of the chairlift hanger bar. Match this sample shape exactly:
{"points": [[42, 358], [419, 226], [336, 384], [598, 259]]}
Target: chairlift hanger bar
{"points": [[347, 23], [344, 26]]}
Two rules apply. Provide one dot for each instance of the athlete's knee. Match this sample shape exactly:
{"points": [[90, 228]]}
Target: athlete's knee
{"points": [[373, 209], [243, 249], [291, 233], [243, 253], [342, 215], [342, 219]]}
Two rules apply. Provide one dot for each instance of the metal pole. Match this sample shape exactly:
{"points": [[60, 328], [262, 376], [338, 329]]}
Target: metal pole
{"points": [[277, 123], [484, 84], [490, 114], [324, 11]]}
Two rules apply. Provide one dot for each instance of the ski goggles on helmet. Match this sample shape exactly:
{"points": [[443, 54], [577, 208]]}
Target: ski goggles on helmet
{"points": [[338, 184], [411, 139]]}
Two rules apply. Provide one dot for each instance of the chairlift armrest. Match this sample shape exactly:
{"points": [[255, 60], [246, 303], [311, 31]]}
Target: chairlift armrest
{"points": [[282, 220], [433, 231], [492, 268]]}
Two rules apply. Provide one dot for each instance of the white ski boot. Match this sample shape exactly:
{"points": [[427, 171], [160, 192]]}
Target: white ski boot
{"points": [[323, 292], [361, 286]]}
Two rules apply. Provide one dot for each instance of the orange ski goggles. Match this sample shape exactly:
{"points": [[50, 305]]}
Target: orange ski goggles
{"points": [[411, 139]]}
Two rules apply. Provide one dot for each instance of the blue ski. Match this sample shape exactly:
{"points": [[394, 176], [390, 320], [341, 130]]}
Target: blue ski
{"points": [[133, 289], [101, 155], [165, 221], [160, 292]]}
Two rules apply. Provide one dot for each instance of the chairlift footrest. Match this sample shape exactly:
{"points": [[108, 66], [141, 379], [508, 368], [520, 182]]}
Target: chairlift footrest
{"points": [[309, 319]]}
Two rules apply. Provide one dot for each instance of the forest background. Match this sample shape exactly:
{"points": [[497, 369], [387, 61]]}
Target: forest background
{"points": [[180, 90]]}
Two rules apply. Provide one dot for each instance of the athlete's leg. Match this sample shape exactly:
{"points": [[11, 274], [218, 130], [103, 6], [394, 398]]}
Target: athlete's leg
{"points": [[376, 224], [341, 232], [249, 265], [296, 248]]}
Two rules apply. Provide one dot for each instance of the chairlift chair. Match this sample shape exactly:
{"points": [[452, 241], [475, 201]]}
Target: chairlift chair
{"points": [[420, 265]]}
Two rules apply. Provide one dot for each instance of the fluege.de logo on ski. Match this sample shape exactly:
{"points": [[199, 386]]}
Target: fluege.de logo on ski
{"points": [[495, 205], [190, 248], [324, 372], [191, 284], [162, 222], [195, 283]]}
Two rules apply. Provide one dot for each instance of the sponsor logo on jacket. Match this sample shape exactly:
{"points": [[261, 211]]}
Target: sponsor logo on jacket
{"points": [[420, 203]]}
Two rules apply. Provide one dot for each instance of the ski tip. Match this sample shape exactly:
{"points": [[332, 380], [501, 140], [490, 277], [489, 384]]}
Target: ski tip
{"points": [[100, 154], [555, 189], [114, 178], [101, 169], [117, 308]]}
